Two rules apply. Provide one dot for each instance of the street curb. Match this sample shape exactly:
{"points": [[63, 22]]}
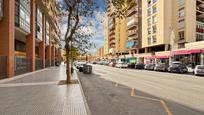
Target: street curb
{"points": [[83, 95], [21, 76]]}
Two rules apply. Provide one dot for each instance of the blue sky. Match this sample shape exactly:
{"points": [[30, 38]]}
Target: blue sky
{"points": [[98, 25]]}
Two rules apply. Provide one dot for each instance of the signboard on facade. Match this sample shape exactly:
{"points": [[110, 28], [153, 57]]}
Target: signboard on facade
{"points": [[1, 9]]}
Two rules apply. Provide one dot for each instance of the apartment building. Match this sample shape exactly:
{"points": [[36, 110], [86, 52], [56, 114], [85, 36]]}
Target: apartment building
{"points": [[116, 33], [132, 21], [106, 40], [31, 31], [100, 53]]}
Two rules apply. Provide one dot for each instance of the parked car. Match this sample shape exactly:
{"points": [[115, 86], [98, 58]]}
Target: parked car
{"points": [[199, 70], [161, 67], [57, 63], [149, 66], [178, 67], [81, 67], [121, 65], [106, 63], [79, 64], [139, 66], [93, 62], [131, 65], [112, 64]]}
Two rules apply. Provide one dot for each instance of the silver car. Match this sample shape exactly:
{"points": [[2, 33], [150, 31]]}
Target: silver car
{"points": [[199, 70]]}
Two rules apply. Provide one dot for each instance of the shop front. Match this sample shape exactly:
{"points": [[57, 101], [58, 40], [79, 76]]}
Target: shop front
{"points": [[189, 57]]}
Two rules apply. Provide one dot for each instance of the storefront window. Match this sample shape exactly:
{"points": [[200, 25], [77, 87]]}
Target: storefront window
{"points": [[1, 9]]}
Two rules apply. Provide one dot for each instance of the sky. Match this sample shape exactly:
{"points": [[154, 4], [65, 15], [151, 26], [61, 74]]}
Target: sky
{"points": [[97, 26]]}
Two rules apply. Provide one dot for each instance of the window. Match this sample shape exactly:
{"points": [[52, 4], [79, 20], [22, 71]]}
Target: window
{"points": [[199, 37], [181, 35], [22, 14], [148, 12], [181, 13], [149, 22], [154, 19], [154, 38], [154, 1], [38, 24], [154, 9], [181, 24], [148, 31], [154, 29], [1, 9], [181, 2], [148, 3], [47, 33]]}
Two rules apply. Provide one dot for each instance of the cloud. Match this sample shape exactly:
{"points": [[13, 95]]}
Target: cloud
{"points": [[96, 26]]}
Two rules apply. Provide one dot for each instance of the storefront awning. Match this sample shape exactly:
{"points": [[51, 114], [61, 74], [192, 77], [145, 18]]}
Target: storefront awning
{"points": [[183, 52], [162, 57]]}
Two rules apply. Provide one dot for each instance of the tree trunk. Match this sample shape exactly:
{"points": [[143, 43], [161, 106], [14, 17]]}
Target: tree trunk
{"points": [[68, 67]]}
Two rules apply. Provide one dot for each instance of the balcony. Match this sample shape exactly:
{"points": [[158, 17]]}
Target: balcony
{"points": [[132, 23], [132, 33], [132, 11], [111, 38], [22, 15], [199, 27], [112, 33], [112, 41]]}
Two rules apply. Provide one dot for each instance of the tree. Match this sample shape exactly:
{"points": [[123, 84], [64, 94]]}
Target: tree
{"points": [[76, 11]]}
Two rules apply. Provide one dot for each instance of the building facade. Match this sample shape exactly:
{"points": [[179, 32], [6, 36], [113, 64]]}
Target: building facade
{"points": [[31, 31], [116, 30], [161, 31]]}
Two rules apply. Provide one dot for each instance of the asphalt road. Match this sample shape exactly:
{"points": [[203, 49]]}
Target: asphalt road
{"points": [[105, 97], [187, 90]]}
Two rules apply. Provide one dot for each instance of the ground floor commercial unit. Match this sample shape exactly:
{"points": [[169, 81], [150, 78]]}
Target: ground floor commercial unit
{"points": [[191, 55]]}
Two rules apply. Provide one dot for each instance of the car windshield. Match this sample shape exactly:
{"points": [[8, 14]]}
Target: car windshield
{"points": [[176, 64], [200, 67]]}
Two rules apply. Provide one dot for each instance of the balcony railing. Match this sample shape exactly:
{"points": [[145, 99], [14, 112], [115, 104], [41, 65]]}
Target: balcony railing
{"points": [[131, 23], [22, 65], [3, 61], [22, 16], [133, 10]]}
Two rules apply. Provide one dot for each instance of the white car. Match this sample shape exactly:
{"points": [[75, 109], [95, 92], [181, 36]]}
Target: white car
{"points": [[121, 65], [199, 70]]}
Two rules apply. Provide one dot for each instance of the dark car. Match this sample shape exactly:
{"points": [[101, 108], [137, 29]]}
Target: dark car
{"points": [[178, 67], [149, 66], [161, 67], [57, 63], [131, 65], [139, 66]]}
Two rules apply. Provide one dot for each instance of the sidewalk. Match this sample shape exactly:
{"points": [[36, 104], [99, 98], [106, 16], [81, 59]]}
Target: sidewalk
{"points": [[39, 94]]}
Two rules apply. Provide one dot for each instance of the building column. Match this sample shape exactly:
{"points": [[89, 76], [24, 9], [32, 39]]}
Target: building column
{"points": [[202, 58], [7, 32], [42, 44], [53, 53], [48, 54], [30, 39]]}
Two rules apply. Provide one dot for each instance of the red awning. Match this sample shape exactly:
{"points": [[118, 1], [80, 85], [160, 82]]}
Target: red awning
{"points": [[162, 57], [182, 52]]}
